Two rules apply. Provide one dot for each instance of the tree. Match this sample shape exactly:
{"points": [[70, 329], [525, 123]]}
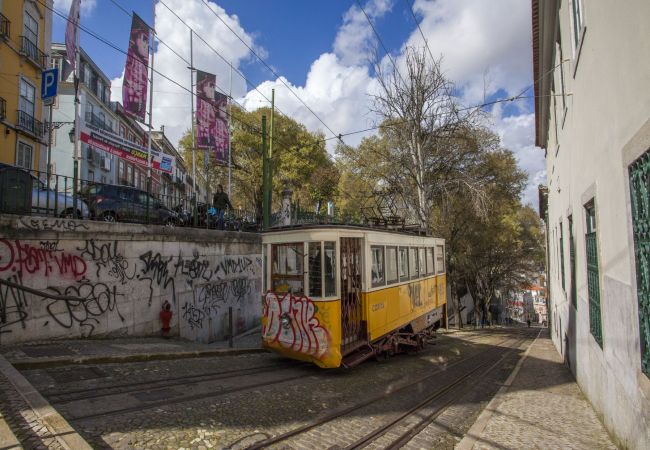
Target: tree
{"points": [[300, 161]]}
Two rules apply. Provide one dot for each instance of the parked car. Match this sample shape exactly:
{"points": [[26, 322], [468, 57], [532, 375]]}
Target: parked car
{"points": [[60, 204], [113, 203], [17, 182]]}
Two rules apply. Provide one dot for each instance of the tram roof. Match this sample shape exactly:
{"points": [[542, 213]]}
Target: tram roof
{"points": [[332, 227]]}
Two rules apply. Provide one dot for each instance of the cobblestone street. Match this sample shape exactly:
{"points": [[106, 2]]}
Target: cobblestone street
{"points": [[424, 400]]}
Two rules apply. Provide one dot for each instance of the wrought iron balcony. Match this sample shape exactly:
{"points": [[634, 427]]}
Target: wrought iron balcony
{"points": [[3, 108], [5, 26], [30, 124], [32, 52], [94, 120]]}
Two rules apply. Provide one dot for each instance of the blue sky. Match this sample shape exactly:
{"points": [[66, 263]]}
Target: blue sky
{"points": [[321, 49]]}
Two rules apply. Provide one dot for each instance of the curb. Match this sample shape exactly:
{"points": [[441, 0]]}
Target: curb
{"points": [[474, 432], [39, 363], [8, 440], [49, 417]]}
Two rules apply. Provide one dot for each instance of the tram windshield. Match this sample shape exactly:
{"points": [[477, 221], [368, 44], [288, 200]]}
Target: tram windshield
{"points": [[287, 268]]}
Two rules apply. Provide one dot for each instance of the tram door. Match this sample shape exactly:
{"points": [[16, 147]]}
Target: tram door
{"points": [[353, 330]]}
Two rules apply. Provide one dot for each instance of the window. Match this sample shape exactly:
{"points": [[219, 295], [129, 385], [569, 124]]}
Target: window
{"points": [[120, 171], [315, 270], [440, 258], [422, 263], [137, 178], [30, 28], [122, 131], [413, 262], [403, 263], [330, 268], [24, 155], [572, 264], [286, 268], [578, 21], [562, 256], [391, 265], [593, 274], [26, 101], [560, 65], [129, 174], [430, 266], [377, 271]]}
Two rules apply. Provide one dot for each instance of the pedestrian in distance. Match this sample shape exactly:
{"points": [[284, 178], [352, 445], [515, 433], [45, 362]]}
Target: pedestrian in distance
{"points": [[166, 318], [220, 202]]}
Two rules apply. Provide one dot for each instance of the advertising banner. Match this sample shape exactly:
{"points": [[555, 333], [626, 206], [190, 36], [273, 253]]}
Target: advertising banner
{"points": [[71, 30], [129, 151], [222, 132], [206, 119], [134, 86]]}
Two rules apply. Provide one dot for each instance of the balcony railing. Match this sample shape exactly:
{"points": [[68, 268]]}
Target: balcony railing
{"points": [[96, 121], [3, 108], [30, 124], [5, 26], [32, 52]]}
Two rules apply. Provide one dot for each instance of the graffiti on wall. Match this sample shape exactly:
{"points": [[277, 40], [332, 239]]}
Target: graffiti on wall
{"points": [[75, 287], [291, 322]]}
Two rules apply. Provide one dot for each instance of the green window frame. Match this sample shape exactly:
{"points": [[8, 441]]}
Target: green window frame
{"points": [[593, 275], [639, 173], [572, 264], [562, 257]]}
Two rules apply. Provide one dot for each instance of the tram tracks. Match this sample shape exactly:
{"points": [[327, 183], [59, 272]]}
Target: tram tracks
{"points": [[417, 383]]}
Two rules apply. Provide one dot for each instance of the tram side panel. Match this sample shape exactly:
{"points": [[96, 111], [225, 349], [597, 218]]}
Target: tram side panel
{"points": [[301, 328]]}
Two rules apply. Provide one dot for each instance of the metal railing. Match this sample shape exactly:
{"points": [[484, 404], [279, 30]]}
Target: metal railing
{"points": [[3, 108], [120, 203], [97, 121], [32, 52], [5, 27], [30, 124]]}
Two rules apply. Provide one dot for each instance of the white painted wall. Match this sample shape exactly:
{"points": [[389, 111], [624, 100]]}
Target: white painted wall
{"points": [[122, 275], [607, 126]]}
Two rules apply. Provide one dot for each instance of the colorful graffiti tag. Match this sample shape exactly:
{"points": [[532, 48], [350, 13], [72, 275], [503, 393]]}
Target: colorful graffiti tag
{"points": [[291, 322]]}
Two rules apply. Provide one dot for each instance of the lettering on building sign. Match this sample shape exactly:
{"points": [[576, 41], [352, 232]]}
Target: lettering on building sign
{"points": [[27, 259], [292, 323]]}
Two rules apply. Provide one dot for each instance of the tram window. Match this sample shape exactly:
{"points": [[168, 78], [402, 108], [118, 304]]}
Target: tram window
{"points": [[403, 263], [378, 278], [422, 262], [440, 258], [391, 265], [430, 268], [265, 258], [330, 269], [413, 262], [315, 270], [287, 272]]}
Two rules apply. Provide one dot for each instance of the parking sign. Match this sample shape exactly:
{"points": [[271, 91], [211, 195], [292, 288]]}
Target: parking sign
{"points": [[49, 84]]}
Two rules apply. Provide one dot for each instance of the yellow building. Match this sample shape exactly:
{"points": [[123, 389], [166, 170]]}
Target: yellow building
{"points": [[25, 40]]}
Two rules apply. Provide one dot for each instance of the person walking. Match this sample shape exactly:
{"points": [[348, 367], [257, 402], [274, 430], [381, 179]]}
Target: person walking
{"points": [[220, 202]]}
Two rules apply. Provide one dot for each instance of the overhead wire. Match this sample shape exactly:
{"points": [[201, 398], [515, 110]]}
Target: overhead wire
{"points": [[415, 19], [269, 68]]}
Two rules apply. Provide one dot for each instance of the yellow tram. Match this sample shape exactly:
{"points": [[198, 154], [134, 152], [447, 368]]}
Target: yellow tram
{"points": [[337, 295]]}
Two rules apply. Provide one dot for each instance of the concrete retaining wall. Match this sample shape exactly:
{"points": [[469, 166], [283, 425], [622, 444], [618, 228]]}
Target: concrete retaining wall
{"points": [[121, 275]]}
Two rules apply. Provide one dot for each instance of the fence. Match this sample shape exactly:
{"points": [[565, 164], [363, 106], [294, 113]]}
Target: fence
{"points": [[57, 195]]}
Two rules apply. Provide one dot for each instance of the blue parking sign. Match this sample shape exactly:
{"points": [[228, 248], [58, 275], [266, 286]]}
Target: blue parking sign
{"points": [[49, 84]]}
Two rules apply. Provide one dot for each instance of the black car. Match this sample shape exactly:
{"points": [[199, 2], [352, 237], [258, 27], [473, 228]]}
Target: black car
{"points": [[113, 203]]}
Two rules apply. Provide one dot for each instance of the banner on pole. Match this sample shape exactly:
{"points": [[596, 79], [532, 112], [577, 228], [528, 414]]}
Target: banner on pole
{"points": [[211, 117], [122, 148], [134, 86], [223, 129], [71, 30]]}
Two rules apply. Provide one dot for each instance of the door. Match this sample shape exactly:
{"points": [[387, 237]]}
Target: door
{"points": [[351, 314]]}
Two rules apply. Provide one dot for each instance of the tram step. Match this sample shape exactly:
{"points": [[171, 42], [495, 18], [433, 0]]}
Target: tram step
{"points": [[358, 357]]}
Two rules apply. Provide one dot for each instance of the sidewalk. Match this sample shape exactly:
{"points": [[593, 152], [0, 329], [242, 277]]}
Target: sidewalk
{"points": [[95, 351], [540, 406]]}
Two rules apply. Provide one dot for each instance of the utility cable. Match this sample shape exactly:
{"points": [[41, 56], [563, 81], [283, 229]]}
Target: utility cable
{"points": [[415, 19]]}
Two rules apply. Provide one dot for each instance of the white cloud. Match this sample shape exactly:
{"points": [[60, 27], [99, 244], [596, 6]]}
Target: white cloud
{"points": [[87, 6]]}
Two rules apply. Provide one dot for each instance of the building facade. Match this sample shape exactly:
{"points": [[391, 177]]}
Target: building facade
{"points": [[25, 34], [592, 101]]}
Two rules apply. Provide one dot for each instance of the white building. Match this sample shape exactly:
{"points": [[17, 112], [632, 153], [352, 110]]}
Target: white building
{"points": [[592, 72]]}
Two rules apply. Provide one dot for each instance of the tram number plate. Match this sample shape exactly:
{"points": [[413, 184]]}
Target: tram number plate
{"points": [[377, 307]]}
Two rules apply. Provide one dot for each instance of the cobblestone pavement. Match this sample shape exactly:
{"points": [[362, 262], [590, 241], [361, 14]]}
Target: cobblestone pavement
{"points": [[543, 408], [22, 421], [235, 401]]}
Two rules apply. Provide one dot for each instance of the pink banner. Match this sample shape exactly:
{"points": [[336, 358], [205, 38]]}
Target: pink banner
{"points": [[206, 118], [134, 86], [71, 31], [211, 117]]}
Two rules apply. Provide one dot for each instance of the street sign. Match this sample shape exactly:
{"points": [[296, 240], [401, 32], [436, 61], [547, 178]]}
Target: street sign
{"points": [[49, 84]]}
